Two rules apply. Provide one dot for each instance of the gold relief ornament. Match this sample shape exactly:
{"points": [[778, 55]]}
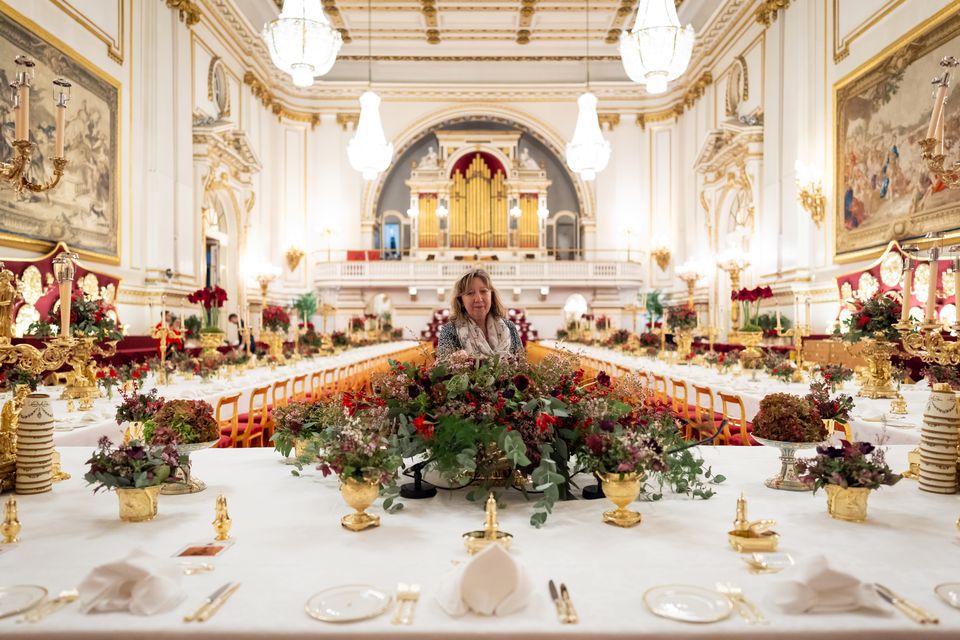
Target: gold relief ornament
{"points": [[222, 522], [878, 374], [476, 541], [11, 525], [890, 269], [82, 378], [749, 537]]}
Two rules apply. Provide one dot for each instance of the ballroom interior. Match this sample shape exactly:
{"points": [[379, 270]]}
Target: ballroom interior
{"points": [[261, 207]]}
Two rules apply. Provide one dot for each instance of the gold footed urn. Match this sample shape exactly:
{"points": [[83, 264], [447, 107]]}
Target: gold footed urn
{"points": [[274, 340], [847, 503], [138, 505], [684, 340], [359, 494], [209, 341], [621, 489], [82, 377], [751, 357], [877, 379]]}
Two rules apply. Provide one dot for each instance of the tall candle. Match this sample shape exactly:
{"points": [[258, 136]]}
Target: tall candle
{"points": [[907, 284], [61, 109], [24, 92], [938, 134], [938, 101], [17, 119], [779, 326], [956, 284], [796, 309], [932, 286], [808, 314], [65, 301]]}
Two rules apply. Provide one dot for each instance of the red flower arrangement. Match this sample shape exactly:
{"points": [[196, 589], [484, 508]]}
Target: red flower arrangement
{"points": [[746, 297], [211, 299], [875, 318], [276, 319]]}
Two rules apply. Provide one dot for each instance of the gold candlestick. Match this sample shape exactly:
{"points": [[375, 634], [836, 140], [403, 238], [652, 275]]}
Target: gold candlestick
{"points": [[11, 525], [749, 536], [222, 523], [476, 541]]}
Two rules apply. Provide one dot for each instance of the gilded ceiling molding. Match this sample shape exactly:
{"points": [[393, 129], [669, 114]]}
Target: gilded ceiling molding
{"points": [[527, 10], [690, 97], [336, 19], [348, 120], [608, 120], [189, 10], [624, 11], [429, 10], [267, 99], [766, 13]]}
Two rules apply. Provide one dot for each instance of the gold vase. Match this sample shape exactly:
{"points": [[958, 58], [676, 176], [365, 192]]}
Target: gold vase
{"points": [[138, 505], [300, 447], [359, 494], [878, 375], [621, 489], [274, 340], [751, 357], [848, 503], [134, 431], [209, 341], [832, 425], [684, 345]]}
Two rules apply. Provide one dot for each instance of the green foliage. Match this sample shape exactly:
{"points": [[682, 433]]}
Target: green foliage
{"points": [[306, 306], [655, 305], [787, 418], [130, 466]]}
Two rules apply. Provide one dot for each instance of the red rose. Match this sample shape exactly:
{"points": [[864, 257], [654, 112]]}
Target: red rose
{"points": [[863, 321], [545, 422]]}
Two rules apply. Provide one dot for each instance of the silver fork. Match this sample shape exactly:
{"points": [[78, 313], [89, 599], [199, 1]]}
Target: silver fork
{"points": [[403, 595], [413, 596], [748, 611], [44, 609]]}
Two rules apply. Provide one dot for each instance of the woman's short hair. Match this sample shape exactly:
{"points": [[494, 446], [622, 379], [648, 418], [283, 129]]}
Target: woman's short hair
{"points": [[458, 311]]}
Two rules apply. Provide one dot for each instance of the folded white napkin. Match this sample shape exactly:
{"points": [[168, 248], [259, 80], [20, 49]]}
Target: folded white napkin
{"points": [[821, 589], [140, 583], [490, 583]]}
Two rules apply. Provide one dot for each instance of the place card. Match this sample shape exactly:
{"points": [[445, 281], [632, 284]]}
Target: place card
{"points": [[207, 549]]}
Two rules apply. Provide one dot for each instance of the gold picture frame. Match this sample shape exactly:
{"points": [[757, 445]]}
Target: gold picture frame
{"points": [[85, 207], [881, 110]]}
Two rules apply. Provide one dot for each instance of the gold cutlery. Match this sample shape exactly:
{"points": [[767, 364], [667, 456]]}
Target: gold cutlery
{"points": [[572, 617], [208, 613], [44, 609], [912, 611], [558, 602], [403, 595], [190, 568], [206, 604], [413, 596], [747, 610]]}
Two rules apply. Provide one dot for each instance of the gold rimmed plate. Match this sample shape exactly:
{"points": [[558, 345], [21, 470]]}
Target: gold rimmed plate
{"points": [[348, 603], [20, 598], [949, 592], [687, 603]]}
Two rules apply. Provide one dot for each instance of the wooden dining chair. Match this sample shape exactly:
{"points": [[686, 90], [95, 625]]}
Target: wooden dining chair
{"points": [[660, 389], [316, 385], [299, 390], [258, 420], [704, 416], [737, 431], [230, 425], [280, 389], [678, 399]]}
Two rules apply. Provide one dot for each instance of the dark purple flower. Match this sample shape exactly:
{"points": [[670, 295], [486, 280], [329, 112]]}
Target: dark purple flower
{"points": [[603, 379], [413, 391], [607, 425], [509, 394], [521, 382]]}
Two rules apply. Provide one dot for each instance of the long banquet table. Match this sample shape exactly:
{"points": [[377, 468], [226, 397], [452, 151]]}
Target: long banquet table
{"points": [[82, 428], [870, 419], [289, 545]]}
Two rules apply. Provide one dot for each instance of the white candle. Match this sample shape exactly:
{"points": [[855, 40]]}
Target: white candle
{"points": [[65, 301], [796, 309], [24, 92], [808, 314], [956, 283], [779, 326], [932, 287], [907, 284], [938, 134], [61, 110], [937, 109]]}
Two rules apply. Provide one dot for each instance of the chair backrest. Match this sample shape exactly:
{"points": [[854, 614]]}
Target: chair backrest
{"points": [[299, 392], [231, 422], [280, 393], [730, 401], [659, 389], [316, 384], [258, 406], [678, 397], [702, 412]]}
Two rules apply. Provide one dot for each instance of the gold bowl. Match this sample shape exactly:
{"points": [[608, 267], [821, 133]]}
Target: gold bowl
{"points": [[749, 541], [477, 541]]}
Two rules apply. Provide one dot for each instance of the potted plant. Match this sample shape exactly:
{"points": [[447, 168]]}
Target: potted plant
{"points": [[942, 374], [192, 325], [682, 320], [835, 375], [190, 426], [297, 423], [789, 423], [849, 472], [210, 300], [873, 323], [747, 297], [834, 410], [136, 472], [136, 408]]}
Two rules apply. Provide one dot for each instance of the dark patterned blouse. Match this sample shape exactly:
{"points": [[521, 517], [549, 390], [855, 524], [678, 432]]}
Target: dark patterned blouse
{"points": [[448, 340]]}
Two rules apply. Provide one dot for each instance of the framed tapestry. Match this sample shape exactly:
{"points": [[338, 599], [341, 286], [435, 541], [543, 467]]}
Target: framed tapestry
{"points": [[882, 189], [84, 209]]}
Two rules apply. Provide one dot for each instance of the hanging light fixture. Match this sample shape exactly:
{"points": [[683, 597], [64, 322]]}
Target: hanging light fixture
{"points": [[515, 211], [543, 212], [442, 211], [301, 41], [588, 152], [657, 49], [368, 150]]}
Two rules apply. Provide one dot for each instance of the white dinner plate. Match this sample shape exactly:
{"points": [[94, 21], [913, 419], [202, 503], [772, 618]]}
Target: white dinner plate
{"points": [[950, 593], [687, 603], [348, 603], [19, 598]]}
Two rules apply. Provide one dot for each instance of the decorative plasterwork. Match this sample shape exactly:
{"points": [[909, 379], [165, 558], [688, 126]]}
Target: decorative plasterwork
{"points": [[527, 9], [260, 91], [608, 120], [189, 10], [348, 120], [766, 13], [841, 43], [114, 43], [689, 98], [223, 143], [624, 11], [429, 9]]}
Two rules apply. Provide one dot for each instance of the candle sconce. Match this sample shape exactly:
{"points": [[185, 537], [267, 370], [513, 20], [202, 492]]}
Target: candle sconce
{"points": [[14, 172], [932, 145], [925, 340]]}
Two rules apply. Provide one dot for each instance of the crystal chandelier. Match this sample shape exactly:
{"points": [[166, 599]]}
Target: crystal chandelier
{"points": [[301, 41], [588, 152], [657, 49], [368, 150]]}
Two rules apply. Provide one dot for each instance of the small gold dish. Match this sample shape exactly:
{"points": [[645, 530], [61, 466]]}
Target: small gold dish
{"points": [[749, 542], [476, 541]]}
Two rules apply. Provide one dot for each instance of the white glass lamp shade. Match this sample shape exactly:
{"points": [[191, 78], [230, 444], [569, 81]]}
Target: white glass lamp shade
{"points": [[543, 212], [413, 211], [657, 49], [442, 211], [515, 211], [368, 150], [587, 153], [301, 41]]}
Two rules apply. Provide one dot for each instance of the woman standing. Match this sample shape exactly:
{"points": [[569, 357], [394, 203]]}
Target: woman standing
{"points": [[478, 323]]}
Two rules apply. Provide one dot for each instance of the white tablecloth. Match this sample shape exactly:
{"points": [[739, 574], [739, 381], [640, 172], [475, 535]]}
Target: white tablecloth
{"points": [[290, 545], [867, 418], [83, 428]]}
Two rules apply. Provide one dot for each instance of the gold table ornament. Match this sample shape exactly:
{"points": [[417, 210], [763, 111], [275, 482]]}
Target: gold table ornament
{"points": [[476, 541], [11, 525], [222, 522], [359, 494], [749, 537], [621, 489]]}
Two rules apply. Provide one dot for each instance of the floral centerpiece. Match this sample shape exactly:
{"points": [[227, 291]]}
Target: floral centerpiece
{"points": [[298, 422], [618, 338], [945, 374], [357, 323], [650, 343], [182, 422], [789, 423], [681, 318], [873, 318], [747, 297], [276, 319], [138, 407], [721, 360], [107, 379], [783, 371], [88, 319], [339, 339], [829, 407], [602, 323], [210, 300], [835, 375], [135, 471], [849, 472]]}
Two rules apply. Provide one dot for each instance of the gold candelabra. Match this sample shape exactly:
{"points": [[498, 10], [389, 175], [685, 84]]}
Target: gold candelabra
{"points": [[925, 340], [162, 333], [932, 145], [15, 171], [796, 334], [733, 262]]}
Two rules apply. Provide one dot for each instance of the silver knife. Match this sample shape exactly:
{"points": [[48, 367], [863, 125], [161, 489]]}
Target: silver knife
{"points": [[914, 612], [206, 603], [558, 601]]}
